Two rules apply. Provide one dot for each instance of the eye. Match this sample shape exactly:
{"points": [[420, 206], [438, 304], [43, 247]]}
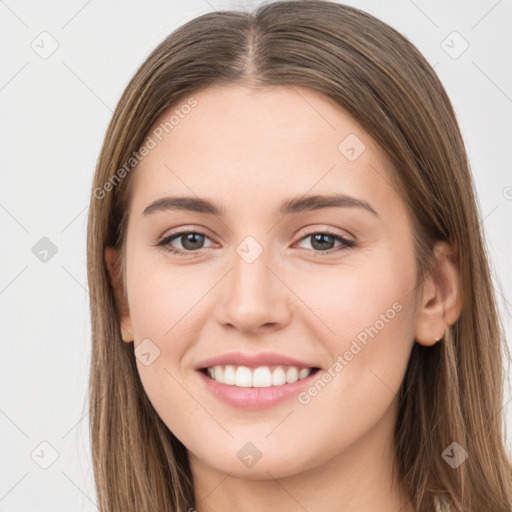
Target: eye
{"points": [[322, 242], [191, 241]]}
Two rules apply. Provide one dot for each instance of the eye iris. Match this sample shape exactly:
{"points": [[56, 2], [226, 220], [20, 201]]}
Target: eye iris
{"points": [[320, 239], [192, 237]]}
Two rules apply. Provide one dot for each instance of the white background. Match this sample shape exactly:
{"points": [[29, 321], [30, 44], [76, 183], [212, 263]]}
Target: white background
{"points": [[53, 115]]}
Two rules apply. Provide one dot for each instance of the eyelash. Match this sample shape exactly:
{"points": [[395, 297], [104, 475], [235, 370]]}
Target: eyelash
{"points": [[165, 243]]}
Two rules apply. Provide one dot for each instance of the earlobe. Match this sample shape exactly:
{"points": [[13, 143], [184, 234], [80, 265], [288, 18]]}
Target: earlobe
{"points": [[111, 260], [441, 304]]}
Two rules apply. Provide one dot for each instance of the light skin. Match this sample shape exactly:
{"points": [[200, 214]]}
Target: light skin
{"points": [[248, 151]]}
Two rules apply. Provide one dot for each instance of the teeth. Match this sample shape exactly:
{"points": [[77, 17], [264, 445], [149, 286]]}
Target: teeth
{"points": [[303, 373], [292, 375], [243, 377], [278, 376], [229, 375], [261, 377]]}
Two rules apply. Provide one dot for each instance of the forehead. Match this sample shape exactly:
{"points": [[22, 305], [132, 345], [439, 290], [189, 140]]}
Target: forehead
{"points": [[239, 144]]}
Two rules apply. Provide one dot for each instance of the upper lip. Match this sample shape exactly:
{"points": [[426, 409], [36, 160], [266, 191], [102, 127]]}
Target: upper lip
{"points": [[253, 360]]}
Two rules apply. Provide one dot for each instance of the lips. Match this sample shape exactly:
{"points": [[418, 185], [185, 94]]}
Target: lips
{"points": [[254, 360], [255, 381], [254, 397]]}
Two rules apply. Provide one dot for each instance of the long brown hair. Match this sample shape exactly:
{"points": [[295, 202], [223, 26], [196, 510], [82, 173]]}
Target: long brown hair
{"points": [[452, 391]]}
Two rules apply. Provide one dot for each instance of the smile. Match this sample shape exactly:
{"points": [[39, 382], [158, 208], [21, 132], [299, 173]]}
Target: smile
{"points": [[260, 377], [255, 388]]}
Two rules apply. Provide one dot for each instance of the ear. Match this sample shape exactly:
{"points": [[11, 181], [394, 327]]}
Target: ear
{"points": [[441, 303], [111, 259]]}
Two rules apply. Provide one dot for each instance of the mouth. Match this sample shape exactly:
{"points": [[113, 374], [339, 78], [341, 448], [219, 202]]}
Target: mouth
{"points": [[259, 377]]}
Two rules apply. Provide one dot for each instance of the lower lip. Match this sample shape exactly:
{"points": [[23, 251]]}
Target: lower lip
{"points": [[255, 398]]}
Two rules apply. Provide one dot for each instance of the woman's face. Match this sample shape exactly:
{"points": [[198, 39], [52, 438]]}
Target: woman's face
{"points": [[267, 274]]}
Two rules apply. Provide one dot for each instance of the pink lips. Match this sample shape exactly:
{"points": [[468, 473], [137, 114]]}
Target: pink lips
{"points": [[254, 397], [254, 360]]}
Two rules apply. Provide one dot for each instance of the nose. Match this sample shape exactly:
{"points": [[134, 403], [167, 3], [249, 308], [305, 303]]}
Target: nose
{"points": [[254, 298]]}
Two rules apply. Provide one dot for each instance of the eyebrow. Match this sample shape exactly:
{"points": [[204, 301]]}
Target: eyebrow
{"points": [[288, 206]]}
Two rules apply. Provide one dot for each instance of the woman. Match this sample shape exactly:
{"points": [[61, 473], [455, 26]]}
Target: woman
{"points": [[291, 301]]}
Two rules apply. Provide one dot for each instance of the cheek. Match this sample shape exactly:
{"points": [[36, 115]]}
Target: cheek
{"points": [[164, 302], [364, 317], [163, 298], [363, 312], [343, 299]]}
